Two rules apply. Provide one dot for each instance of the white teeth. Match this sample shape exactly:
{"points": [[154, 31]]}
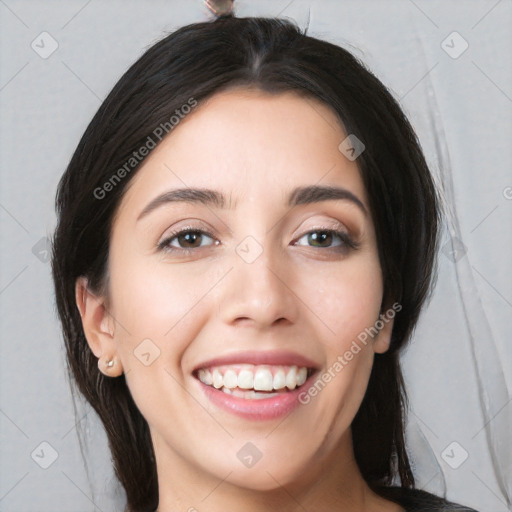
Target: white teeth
{"points": [[245, 379], [248, 395], [263, 379], [291, 378], [230, 379], [302, 375], [280, 379], [205, 376], [218, 382], [239, 379]]}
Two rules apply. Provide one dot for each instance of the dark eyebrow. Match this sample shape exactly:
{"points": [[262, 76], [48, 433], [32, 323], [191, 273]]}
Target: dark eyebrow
{"points": [[298, 196], [188, 195], [315, 194]]}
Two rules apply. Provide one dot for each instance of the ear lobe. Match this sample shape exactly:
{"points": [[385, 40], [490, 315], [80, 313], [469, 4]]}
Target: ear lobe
{"points": [[95, 319], [382, 340]]}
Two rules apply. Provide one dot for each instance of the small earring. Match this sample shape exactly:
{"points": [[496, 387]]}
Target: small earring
{"points": [[110, 367]]}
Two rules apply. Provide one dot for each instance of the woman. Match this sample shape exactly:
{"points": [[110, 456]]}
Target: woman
{"points": [[246, 236]]}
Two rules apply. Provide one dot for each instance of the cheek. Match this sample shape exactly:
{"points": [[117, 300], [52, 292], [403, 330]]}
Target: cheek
{"points": [[348, 303], [346, 299], [152, 298], [162, 302], [158, 310]]}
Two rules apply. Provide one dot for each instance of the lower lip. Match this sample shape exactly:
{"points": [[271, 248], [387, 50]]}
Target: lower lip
{"points": [[257, 408]]}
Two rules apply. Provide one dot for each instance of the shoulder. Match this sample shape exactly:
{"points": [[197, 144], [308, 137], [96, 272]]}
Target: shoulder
{"points": [[414, 500]]}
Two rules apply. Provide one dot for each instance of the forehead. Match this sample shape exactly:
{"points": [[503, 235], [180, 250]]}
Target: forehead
{"points": [[249, 144]]}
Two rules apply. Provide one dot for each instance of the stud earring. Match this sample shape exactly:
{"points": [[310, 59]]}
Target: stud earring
{"points": [[110, 367]]}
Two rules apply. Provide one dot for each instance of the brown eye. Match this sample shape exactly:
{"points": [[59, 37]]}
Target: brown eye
{"points": [[324, 238], [185, 239], [320, 237]]}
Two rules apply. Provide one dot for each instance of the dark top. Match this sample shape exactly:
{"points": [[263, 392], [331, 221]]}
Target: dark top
{"points": [[414, 500]]}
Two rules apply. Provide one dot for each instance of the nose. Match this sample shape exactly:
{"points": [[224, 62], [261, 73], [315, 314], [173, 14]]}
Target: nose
{"points": [[259, 293]]}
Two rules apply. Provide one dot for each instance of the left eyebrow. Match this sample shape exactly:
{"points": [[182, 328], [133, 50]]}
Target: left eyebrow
{"points": [[298, 196], [316, 194]]}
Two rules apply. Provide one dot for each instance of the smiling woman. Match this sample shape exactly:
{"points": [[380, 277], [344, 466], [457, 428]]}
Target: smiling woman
{"points": [[279, 243]]}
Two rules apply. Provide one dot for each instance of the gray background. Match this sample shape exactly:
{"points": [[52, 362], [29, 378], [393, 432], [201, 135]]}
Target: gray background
{"points": [[458, 367]]}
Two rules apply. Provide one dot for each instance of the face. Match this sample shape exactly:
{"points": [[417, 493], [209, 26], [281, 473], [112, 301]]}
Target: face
{"points": [[239, 322]]}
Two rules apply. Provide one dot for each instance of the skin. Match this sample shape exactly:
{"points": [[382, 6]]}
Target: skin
{"points": [[313, 299]]}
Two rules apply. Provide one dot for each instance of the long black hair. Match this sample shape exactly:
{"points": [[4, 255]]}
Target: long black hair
{"points": [[275, 56]]}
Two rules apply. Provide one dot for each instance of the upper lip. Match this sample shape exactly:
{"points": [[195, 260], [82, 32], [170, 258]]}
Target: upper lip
{"points": [[277, 358]]}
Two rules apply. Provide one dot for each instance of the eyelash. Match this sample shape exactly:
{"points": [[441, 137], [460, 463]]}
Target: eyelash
{"points": [[347, 242]]}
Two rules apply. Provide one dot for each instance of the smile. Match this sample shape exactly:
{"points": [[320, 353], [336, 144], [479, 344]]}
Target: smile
{"points": [[254, 382], [255, 391]]}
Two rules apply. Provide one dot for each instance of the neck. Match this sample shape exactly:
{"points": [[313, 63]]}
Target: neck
{"points": [[327, 482]]}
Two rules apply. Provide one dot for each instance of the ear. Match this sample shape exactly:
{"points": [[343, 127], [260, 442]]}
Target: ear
{"points": [[385, 325], [98, 325]]}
